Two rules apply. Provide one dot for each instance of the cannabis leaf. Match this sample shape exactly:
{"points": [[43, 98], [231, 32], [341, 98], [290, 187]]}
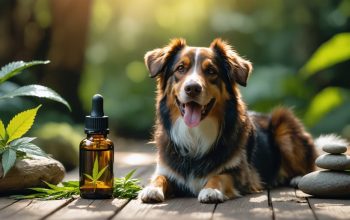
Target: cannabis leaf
{"points": [[96, 174], [68, 190], [20, 124], [124, 188], [12, 144]]}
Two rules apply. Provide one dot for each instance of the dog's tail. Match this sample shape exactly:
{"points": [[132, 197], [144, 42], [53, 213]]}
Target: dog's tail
{"points": [[296, 146], [329, 139]]}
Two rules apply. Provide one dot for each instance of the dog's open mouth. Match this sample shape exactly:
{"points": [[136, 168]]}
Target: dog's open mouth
{"points": [[193, 113]]}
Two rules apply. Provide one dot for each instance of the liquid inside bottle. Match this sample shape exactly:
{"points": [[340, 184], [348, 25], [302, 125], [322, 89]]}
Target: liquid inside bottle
{"points": [[96, 167]]}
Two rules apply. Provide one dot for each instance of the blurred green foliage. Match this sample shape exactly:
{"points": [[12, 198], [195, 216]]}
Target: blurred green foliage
{"points": [[300, 52], [61, 140], [299, 58]]}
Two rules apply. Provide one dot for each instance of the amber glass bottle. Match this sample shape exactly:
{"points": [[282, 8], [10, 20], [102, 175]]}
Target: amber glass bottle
{"points": [[96, 155]]}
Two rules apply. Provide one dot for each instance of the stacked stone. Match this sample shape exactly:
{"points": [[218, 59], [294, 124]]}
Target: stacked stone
{"points": [[334, 181]]}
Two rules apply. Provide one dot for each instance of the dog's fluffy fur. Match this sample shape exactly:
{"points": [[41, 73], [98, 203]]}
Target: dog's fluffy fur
{"points": [[209, 145]]}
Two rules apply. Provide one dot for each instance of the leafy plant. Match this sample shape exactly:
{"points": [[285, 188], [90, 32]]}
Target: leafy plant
{"points": [[13, 69], [330, 105], [67, 190], [124, 188], [96, 174], [12, 144], [332, 52]]}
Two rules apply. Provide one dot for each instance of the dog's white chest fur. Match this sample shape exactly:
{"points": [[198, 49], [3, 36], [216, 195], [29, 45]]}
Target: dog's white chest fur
{"points": [[195, 141]]}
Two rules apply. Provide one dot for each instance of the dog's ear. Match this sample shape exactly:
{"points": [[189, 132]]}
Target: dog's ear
{"points": [[238, 68], [157, 59]]}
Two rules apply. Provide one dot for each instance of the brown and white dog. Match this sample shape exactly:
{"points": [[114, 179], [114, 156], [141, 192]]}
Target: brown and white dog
{"points": [[209, 145]]}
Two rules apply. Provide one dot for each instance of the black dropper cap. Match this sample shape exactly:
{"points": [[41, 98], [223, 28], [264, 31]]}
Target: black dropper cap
{"points": [[96, 122]]}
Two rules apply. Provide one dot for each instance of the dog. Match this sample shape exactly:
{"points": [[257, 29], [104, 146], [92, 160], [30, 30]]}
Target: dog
{"points": [[209, 145]]}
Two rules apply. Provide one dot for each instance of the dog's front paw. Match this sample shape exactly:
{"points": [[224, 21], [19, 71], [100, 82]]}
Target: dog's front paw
{"points": [[209, 195], [152, 194]]}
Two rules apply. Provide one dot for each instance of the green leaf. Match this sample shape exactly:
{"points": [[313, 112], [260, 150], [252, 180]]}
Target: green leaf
{"points": [[32, 149], [21, 141], [45, 190], [21, 123], [14, 68], [88, 176], [333, 51], [31, 196], [54, 187], [96, 174], [326, 100], [37, 91], [2, 131], [8, 160], [130, 174], [101, 172], [71, 184], [95, 169]]}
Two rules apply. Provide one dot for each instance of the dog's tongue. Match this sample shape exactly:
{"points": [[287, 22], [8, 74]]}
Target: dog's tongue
{"points": [[192, 114]]}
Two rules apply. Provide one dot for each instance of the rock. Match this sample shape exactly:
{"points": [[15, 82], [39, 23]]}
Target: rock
{"points": [[31, 173], [334, 149], [333, 161], [326, 183]]}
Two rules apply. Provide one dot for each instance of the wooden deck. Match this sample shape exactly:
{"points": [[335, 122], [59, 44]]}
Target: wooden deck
{"points": [[281, 203]]}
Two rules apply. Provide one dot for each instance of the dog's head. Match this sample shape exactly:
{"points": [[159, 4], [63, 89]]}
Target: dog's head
{"points": [[197, 80]]}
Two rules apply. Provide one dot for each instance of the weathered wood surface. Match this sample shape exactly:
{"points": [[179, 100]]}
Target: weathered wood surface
{"points": [[253, 206], [89, 209], [281, 203], [32, 209], [286, 205], [326, 209], [177, 208]]}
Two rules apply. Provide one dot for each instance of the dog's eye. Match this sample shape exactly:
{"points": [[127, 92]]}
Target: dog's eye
{"points": [[180, 68], [211, 71]]}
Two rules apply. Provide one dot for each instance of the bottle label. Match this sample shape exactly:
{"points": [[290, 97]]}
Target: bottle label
{"points": [[96, 170]]}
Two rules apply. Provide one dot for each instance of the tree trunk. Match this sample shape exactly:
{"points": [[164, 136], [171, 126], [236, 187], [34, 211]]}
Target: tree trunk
{"points": [[70, 24]]}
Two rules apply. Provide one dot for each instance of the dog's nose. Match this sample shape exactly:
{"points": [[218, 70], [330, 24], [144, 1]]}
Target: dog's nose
{"points": [[193, 89]]}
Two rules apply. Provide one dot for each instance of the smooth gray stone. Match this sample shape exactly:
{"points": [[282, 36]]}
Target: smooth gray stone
{"points": [[31, 172], [333, 161], [334, 149], [326, 183]]}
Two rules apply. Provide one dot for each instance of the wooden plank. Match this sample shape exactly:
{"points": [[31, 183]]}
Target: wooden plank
{"points": [[252, 206], [177, 208], [4, 202], [12, 209], [286, 205], [89, 209], [330, 208], [32, 209]]}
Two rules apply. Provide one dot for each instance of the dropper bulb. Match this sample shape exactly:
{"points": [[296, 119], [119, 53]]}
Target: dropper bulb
{"points": [[97, 106], [97, 121]]}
